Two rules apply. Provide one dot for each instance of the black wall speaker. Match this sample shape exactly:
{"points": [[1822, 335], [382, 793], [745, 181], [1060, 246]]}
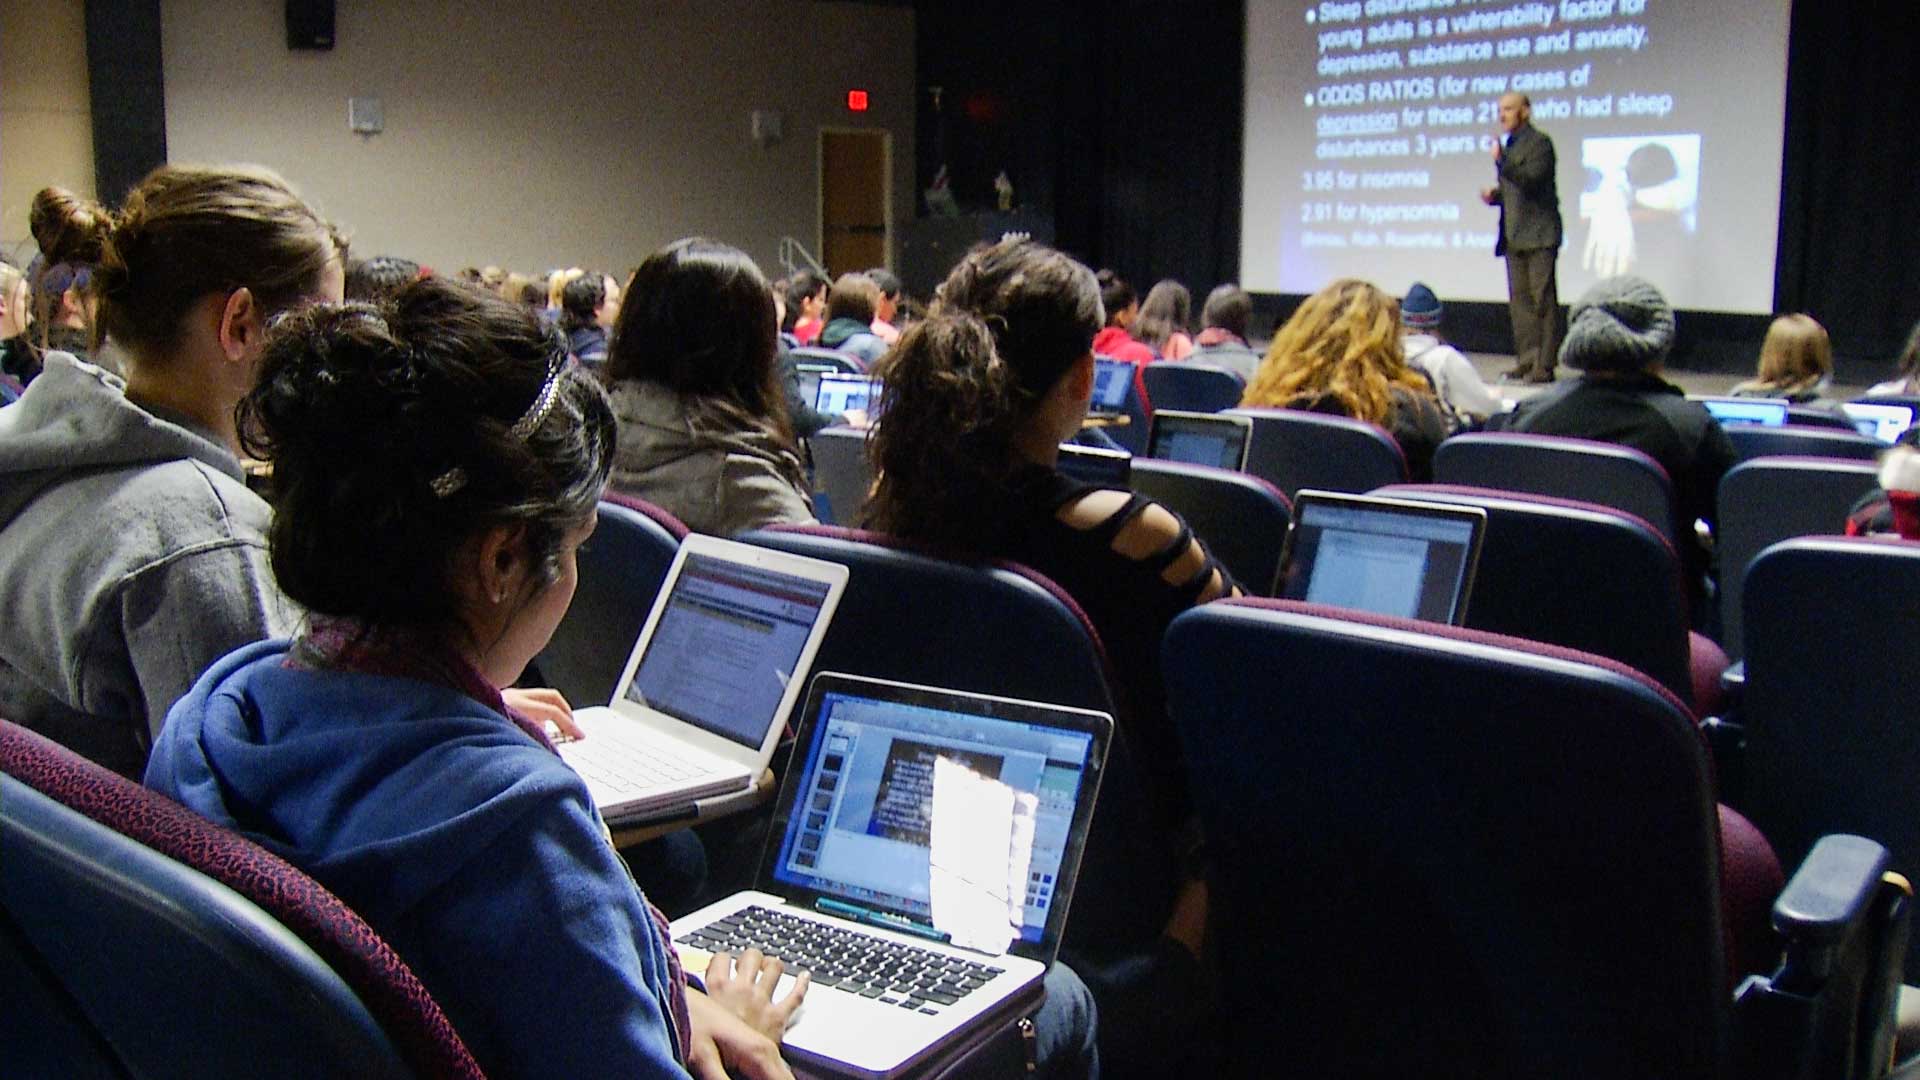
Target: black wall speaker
{"points": [[310, 24]]}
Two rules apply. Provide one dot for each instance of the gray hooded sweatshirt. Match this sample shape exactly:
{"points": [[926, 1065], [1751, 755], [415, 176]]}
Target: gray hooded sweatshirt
{"points": [[132, 556]]}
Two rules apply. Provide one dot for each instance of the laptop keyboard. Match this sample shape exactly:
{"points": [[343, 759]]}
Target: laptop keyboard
{"points": [[624, 768], [846, 959]]}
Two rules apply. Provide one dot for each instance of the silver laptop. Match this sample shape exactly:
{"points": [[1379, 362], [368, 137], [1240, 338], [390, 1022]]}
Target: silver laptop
{"points": [[920, 864], [839, 393], [1883, 421], [1112, 382], [1414, 560], [718, 666], [1216, 439]]}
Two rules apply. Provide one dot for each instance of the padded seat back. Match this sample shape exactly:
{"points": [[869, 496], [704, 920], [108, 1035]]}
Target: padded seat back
{"points": [[1192, 386], [186, 950], [1819, 416], [842, 471], [1242, 519], [1832, 740], [1803, 440], [1578, 575], [1293, 449], [1579, 469], [1457, 854], [840, 361], [1766, 500], [621, 570]]}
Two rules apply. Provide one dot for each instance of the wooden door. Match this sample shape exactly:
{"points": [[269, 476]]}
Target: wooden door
{"points": [[855, 230]]}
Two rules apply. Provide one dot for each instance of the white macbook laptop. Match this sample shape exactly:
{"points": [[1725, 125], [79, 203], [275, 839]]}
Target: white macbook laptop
{"points": [[919, 865], [1396, 557], [719, 664], [839, 393]]}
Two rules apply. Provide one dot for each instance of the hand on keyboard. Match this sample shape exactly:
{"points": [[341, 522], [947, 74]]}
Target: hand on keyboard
{"points": [[724, 1045], [745, 986], [544, 706]]}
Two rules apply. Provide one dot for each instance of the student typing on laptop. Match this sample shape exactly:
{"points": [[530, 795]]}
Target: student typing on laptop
{"points": [[437, 468]]}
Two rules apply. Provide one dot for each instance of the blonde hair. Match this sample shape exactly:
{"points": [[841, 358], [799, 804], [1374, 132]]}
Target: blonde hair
{"points": [[1342, 343], [1796, 355], [557, 284]]}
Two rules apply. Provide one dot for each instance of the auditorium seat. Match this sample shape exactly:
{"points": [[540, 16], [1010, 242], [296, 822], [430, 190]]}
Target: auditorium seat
{"points": [[842, 472], [1294, 449], [1767, 500], [1832, 741], [1443, 853], [1191, 386], [1587, 577], [1799, 440], [833, 359], [1580, 469], [1241, 518], [620, 570], [138, 939], [1818, 416]]}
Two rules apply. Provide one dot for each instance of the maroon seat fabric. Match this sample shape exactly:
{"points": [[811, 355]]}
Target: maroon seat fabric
{"points": [[658, 514], [412, 1019]]}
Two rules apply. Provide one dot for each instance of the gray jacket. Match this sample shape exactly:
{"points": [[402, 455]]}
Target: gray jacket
{"points": [[718, 479], [132, 556]]}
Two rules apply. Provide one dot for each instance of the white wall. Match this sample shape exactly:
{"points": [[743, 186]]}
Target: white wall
{"points": [[46, 130], [531, 135]]}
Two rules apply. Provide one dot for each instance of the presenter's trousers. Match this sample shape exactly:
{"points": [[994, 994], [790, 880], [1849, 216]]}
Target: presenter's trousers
{"points": [[1534, 301]]}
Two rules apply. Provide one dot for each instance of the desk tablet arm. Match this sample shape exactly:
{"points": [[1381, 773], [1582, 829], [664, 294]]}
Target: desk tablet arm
{"points": [[1828, 1011]]}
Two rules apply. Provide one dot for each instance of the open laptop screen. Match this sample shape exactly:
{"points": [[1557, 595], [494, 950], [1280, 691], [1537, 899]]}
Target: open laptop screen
{"points": [[858, 816], [1770, 412], [1886, 422], [1111, 378], [842, 393], [1389, 557], [1200, 438], [726, 645]]}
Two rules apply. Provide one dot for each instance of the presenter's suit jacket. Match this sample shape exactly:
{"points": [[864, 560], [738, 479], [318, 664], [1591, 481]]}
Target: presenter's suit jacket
{"points": [[1529, 199]]}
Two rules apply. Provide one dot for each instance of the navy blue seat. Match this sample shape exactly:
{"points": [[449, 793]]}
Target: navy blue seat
{"points": [[1294, 449], [1818, 416], [1460, 855], [137, 939], [841, 470], [620, 570], [1766, 500], [1757, 440], [1242, 519], [1581, 469], [1832, 739], [832, 358], [1191, 386]]}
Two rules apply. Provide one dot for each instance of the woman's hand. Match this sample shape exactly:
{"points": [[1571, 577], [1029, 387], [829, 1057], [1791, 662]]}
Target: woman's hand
{"points": [[723, 1044], [745, 988], [543, 706]]}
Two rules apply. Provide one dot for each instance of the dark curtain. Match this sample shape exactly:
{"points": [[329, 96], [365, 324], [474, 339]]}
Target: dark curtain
{"points": [[128, 94], [1849, 244]]}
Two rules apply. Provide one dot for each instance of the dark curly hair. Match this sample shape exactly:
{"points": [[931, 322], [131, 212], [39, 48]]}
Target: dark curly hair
{"points": [[1009, 321], [391, 428]]}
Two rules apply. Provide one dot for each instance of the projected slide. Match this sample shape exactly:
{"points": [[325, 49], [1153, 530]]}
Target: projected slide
{"points": [[1370, 128]]}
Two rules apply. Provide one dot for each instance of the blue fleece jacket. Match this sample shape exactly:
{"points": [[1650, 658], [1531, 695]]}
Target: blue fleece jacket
{"points": [[471, 848]]}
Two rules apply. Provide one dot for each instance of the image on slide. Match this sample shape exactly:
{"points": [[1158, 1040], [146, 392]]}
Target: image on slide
{"points": [[1640, 201]]}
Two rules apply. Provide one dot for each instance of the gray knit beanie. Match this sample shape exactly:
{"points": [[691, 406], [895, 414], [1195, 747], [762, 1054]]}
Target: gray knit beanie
{"points": [[1621, 324]]}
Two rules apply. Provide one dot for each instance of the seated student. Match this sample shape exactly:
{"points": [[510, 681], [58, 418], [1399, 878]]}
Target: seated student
{"points": [[851, 304], [589, 304], [131, 550], [1460, 387], [65, 229], [1122, 306], [978, 398], [695, 387], [1340, 353], [378, 277], [887, 308], [805, 420], [806, 302], [1162, 323], [437, 467], [1619, 333], [1893, 508], [1908, 366], [19, 361], [1796, 362], [1223, 333]]}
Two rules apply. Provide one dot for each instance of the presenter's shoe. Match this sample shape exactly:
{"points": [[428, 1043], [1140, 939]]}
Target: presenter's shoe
{"points": [[1538, 375], [1515, 373]]}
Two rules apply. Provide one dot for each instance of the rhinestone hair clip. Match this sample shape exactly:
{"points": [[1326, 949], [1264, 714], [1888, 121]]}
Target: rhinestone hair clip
{"points": [[455, 478]]}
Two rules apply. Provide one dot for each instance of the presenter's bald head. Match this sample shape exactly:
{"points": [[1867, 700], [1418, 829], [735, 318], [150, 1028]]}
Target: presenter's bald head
{"points": [[1515, 109]]}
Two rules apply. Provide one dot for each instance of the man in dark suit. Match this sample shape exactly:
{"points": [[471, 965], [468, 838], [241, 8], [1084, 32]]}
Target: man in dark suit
{"points": [[1529, 205]]}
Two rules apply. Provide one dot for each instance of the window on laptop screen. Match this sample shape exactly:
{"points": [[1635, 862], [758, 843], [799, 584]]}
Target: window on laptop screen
{"points": [[1884, 422], [1758, 411], [1385, 561], [1110, 381], [862, 830], [1198, 440], [726, 645], [844, 393]]}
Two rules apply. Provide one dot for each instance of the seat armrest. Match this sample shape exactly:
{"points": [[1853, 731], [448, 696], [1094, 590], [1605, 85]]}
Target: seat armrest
{"points": [[1734, 680], [1823, 904]]}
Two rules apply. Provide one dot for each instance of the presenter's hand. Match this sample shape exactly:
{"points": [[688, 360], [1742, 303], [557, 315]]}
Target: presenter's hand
{"points": [[1489, 195], [1499, 150], [543, 706], [1609, 248], [725, 1045]]}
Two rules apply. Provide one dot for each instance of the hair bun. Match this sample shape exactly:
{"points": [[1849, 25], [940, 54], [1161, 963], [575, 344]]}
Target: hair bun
{"points": [[67, 227]]}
